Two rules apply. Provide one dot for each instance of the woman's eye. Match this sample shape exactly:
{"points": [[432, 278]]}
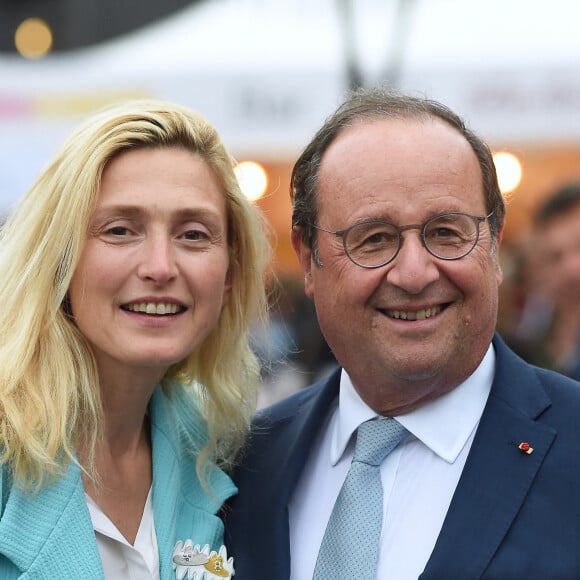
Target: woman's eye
{"points": [[117, 231], [196, 235]]}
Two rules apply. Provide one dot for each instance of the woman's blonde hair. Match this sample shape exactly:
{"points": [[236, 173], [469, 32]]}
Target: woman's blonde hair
{"points": [[49, 390]]}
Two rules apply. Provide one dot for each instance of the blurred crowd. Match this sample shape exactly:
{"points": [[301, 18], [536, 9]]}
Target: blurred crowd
{"points": [[539, 315], [291, 347]]}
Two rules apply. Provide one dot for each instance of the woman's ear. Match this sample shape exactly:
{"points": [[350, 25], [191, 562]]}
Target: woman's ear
{"points": [[228, 284]]}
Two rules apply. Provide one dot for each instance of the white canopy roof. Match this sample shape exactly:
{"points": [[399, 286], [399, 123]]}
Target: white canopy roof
{"points": [[267, 72]]}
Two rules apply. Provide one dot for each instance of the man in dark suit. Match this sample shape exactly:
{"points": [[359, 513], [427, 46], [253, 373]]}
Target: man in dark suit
{"points": [[397, 222]]}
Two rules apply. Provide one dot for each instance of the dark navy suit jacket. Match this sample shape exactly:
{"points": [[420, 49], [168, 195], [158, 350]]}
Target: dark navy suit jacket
{"points": [[514, 516]]}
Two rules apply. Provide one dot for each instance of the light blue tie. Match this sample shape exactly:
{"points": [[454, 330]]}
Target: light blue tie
{"points": [[350, 547]]}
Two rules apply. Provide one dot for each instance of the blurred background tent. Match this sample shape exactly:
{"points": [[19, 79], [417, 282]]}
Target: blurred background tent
{"points": [[267, 72]]}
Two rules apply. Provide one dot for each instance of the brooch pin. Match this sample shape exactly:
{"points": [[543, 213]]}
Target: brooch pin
{"points": [[199, 563], [526, 447]]}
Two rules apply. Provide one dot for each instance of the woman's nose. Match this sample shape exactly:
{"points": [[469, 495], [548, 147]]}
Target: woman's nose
{"points": [[158, 260]]}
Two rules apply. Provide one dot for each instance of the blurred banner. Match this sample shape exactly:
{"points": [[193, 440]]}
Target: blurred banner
{"points": [[267, 74]]}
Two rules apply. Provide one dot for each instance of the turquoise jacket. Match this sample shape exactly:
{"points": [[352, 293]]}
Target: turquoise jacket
{"points": [[50, 535]]}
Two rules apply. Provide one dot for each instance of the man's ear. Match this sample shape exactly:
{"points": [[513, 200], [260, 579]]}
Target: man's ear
{"points": [[499, 272], [304, 254]]}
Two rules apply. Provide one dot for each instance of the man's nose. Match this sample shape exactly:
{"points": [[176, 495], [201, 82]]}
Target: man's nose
{"points": [[413, 268]]}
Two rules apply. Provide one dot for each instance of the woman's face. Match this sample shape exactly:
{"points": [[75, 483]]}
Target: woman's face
{"points": [[154, 273]]}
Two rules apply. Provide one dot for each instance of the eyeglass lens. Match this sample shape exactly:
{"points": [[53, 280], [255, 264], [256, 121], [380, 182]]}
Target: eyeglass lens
{"points": [[448, 236]]}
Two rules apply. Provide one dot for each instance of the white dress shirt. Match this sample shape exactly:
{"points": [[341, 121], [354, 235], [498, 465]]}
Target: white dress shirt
{"points": [[120, 559], [419, 477]]}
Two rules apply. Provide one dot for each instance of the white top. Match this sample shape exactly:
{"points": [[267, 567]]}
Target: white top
{"points": [[120, 559], [419, 477]]}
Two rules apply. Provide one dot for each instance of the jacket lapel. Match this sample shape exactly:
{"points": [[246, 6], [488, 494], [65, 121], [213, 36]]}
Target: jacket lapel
{"points": [[183, 509], [497, 475], [50, 535]]}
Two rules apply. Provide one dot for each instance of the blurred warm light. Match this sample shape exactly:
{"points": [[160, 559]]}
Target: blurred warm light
{"points": [[509, 170], [252, 179], [33, 38]]}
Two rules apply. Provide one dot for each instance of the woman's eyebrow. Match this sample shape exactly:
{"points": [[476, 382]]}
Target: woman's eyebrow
{"points": [[134, 211], [118, 210]]}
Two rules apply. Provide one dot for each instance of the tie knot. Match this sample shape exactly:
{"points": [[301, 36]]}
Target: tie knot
{"points": [[376, 439]]}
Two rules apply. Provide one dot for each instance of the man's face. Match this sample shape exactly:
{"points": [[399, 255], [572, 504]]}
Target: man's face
{"points": [[558, 244], [415, 328]]}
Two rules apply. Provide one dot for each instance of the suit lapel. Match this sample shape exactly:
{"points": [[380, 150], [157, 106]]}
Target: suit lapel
{"points": [[497, 475], [280, 447], [295, 435]]}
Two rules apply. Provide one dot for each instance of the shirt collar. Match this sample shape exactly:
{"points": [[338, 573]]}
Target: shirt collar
{"points": [[444, 425]]}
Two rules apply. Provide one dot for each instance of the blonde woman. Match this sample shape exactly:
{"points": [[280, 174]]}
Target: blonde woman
{"points": [[130, 274]]}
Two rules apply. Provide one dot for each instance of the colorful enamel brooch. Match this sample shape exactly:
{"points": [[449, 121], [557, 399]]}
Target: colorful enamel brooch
{"points": [[197, 563]]}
